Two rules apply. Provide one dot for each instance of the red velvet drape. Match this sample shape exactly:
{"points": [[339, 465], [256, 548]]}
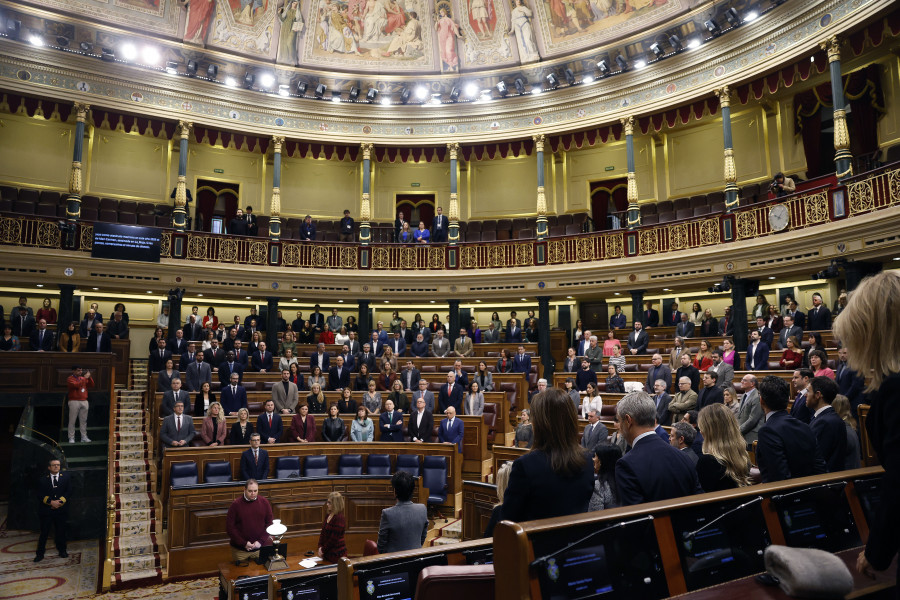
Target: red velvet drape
{"points": [[601, 192]]}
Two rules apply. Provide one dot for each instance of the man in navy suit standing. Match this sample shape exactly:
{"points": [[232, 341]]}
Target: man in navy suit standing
{"points": [[787, 447], [234, 396], [269, 424], [451, 429], [757, 353], [320, 359], [513, 332], [54, 490], [338, 375], [254, 461], [229, 366], [650, 317], [819, 316], [451, 394], [262, 360], [42, 338], [439, 226], [390, 422], [521, 362], [653, 470], [827, 425]]}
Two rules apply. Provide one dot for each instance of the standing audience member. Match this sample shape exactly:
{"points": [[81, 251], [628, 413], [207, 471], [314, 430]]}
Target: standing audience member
{"points": [[54, 490], [303, 426], [404, 525], [178, 428], [451, 430], [556, 477], [724, 464], [331, 539], [595, 433], [42, 339], [605, 495], [841, 406], [681, 437], [213, 429], [830, 430], [204, 399], [501, 481], [70, 339], [750, 414], [254, 460], [269, 425], [390, 422], [241, 431], [246, 523], [524, 431], [77, 385], [421, 422], [333, 428], [710, 393], [684, 400], [653, 470], [362, 429], [9, 342]]}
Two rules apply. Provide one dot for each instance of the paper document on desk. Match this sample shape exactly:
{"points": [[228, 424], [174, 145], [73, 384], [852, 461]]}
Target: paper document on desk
{"points": [[308, 563]]}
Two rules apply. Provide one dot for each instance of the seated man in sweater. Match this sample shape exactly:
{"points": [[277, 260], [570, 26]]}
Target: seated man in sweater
{"points": [[246, 523]]}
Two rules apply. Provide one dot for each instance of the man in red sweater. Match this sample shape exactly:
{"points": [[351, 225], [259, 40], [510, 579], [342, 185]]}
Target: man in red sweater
{"points": [[78, 384], [248, 518]]}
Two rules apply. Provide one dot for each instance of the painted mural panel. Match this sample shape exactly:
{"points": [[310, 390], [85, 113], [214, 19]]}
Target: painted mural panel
{"points": [[246, 26], [150, 16], [574, 24], [486, 33]]}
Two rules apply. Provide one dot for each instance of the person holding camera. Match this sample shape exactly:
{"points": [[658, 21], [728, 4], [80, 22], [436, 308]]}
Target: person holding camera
{"points": [[782, 186]]}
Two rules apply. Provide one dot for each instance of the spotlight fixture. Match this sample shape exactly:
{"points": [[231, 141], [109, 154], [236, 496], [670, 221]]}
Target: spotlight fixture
{"points": [[640, 64], [191, 67], [336, 95], [35, 40], [129, 52], [623, 64], [552, 81], [354, 94], [712, 27], [371, 94], [231, 81], [751, 16], [454, 94], [472, 90], [212, 71], [150, 55], [249, 78], [733, 18], [675, 42], [537, 89], [107, 54], [603, 67], [385, 100], [502, 89], [62, 41], [171, 67], [718, 288], [404, 95], [320, 90], [832, 271], [657, 50], [301, 88], [587, 79], [421, 92], [520, 85], [86, 47], [694, 43], [13, 27], [266, 80], [570, 76], [284, 90]]}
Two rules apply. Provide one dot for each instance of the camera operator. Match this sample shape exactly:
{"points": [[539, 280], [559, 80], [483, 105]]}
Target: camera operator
{"points": [[782, 186]]}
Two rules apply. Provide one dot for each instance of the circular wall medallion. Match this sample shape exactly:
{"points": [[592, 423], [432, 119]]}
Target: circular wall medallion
{"points": [[496, 124], [770, 49], [632, 277], [69, 272], [825, 21], [137, 96], [670, 89], [23, 75], [452, 129], [729, 266], [234, 114], [367, 129], [841, 247], [275, 285], [538, 120], [365, 288], [83, 86], [720, 70], [541, 284], [187, 106]]}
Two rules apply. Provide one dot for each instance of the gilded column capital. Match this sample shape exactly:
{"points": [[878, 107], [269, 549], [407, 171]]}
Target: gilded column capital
{"points": [[185, 127], [833, 46], [538, 142], [367, 148], [628, 124], [278, 140], [724, 96], [730, 169], [453, 215], [453, 147], [365, 208], [541, 202], [81, 111]]}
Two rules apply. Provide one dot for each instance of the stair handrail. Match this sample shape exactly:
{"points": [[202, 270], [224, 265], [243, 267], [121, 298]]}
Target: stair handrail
{"points": [[106, 549]]}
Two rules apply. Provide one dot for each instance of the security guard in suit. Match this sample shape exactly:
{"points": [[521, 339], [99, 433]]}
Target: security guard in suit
{"points": [[55, 489]]}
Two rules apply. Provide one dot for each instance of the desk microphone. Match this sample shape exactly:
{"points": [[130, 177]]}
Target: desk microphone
{"points": [[690, 534], [823, 486]]}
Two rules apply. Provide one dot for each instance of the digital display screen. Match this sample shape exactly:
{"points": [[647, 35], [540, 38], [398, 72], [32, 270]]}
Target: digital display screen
{"points": [[714, 551], [817, 517], [479, 557], [395, 582], [869, 493], [310, 588], [252, 588], [126, 242], [623, 562]]}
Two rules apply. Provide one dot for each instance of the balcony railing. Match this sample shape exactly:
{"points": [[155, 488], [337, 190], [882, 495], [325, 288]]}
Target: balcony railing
{"points": [[865, 193]]}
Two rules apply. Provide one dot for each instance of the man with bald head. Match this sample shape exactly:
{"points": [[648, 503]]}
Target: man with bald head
{"points": [[451, 430]]}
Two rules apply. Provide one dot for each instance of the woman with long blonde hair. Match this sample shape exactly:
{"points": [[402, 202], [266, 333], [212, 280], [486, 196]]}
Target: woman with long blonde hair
{"points": [[502, 480], [724, 463]]}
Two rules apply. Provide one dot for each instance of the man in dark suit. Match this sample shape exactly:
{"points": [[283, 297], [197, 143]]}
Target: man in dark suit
{"points": [[252, 225], [320, 359], [367, 357], [765, 333], [98, 341], [618, 320], [376, 344], [189, 356], [404, 525], [662, 399], [22, 323], [583, 344], [653, 470], [757, 353], [317, 319], [269, 424], [54, 490], [789, 330], [240, 355], [159, 356], [800, 409], [178, 428], [638, 339], [192, 329], [799, 315], [451, 394], [254, 460], [787, 447], [827, 425], [595, 433], [118, 327], [687, 369], [424, 393], [439, 227], [726, 323], [171, 397], [214, 355], [42, 338], [451, 430], [681, 436], [850, 384], [710, 393], [228, 366], [390, 423], [198, 372], [407, 334], [513, 332], [658, 371], [684, 328], [410, 377], [87, 323], [177, 345], [261, 362], [819, 316], [338, 375], [397, 344], [521, 362], [673, 316], [650, 317], [234, 396], [238, 225], [420, 423]]}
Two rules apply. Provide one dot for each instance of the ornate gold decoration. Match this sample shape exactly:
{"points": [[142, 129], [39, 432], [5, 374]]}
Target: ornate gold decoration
{"points": [[538, 142], [556, 251], [185, 127], [276, 202], [435, 258], [47, 234], [10, 231], [197, 245], [632, 191], [81, 111], [87, 237], [584, 248], [228, 250], [365, 208], [724, 96], [468, 257], [290, 255], [453, 147], [730, 169], [524, 255], [453, 215], [367, 150], [841, 134], [165, 243], [614, 245], [816, 207], [678, 236], [746, 225], [381, 259], [833, 46], [75, 178], [319, 257], [408, 258], [181, 192], [497, 256], [628, 124], [862, 196], [894, 185], [649, 241], [348, 258], [278, 141], [541, 202], [709, 232]]}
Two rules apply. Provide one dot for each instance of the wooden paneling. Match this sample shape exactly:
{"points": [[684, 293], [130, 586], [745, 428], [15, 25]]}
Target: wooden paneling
{"points": [[46, 372], [478, 502]]}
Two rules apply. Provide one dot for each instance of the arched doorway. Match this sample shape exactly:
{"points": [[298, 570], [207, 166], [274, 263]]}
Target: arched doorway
{"points": [[609, 201], [215, 199], [415, 208]]}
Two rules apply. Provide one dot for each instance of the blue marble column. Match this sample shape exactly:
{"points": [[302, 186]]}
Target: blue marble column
{"points": [[633, 215], [543, 228], [731, 188], [453, 216], [365, 207], [179, 215], [275, 218], [73, 203], [842, 157]]}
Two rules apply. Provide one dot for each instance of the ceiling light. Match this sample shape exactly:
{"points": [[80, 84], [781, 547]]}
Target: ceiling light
{"points": [[129, 52], [623, 64], [733, 18], [751, 16], [354, 93], [284, 90], [454, 93], [212, 71], [191, 68], [231, 81], [302, 87], [502, 89], [35, 40], [552, 81], [524, 299], [385, 100], [340, 301], [404, 95], [694, 43], [618, 294], [171, 67], [40, 285], [587, 79], [772, 277], [150, 55], [472, 90], [640, 64], [603, 67], [387, 301], [62, 41], [657, 50], [421, 92], [247, 297], [520, 85], [569, 297], [293, 299], [536, 89], [199, 295], [336, 96], [149, 291], [95, 289], [666, 290], [432, 301], [435, 99], [266, 80], [320, 90], [249, 78], [675, 42]]}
